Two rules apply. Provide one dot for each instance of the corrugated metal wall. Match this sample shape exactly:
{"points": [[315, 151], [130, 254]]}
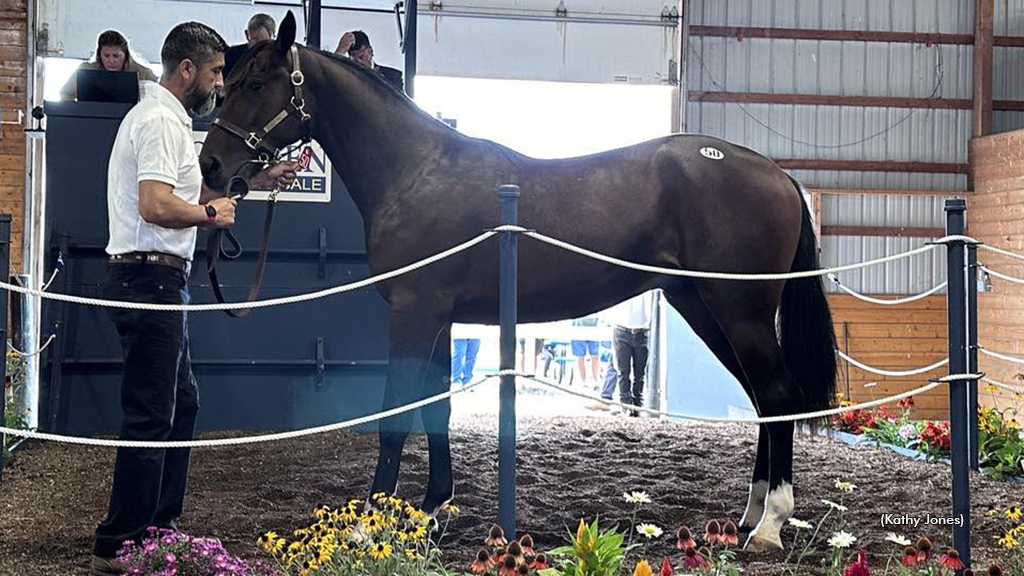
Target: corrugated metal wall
{"points": [[854, 133]]}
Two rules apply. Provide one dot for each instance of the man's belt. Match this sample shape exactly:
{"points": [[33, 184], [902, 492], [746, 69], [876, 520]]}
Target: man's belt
{"points": [[176, 262], [631, 330]]}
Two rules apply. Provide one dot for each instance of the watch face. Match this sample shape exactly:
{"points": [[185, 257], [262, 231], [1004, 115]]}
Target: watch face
{"points": [[211, 212]]}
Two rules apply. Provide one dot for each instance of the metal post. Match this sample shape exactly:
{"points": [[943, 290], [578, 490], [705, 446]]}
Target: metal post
{"points": [[312, 24], [972, 352], [410, 46], [956, 301], [5, 263], [508, 272]]}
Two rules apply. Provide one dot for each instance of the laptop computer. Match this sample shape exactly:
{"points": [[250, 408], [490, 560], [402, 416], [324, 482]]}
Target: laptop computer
{"points": [[104, 86]]}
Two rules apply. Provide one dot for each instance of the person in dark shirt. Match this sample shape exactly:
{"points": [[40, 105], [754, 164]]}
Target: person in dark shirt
{"points": [[356, 45]]}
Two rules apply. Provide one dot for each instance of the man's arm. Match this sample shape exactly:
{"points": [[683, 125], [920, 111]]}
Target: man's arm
{"points": [[158, 205]]}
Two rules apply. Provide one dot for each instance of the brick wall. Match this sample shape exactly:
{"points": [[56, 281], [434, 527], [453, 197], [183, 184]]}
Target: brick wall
{"points": [[13, 53], [995, 215], [892, 338]]}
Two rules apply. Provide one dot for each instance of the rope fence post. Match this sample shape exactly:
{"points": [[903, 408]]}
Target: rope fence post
{"points": [[5, 264], [956, 302], [972, 352], [508, 272]]}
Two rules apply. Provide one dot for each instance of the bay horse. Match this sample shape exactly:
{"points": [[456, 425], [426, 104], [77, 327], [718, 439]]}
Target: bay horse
{"points": [[682, 201]]}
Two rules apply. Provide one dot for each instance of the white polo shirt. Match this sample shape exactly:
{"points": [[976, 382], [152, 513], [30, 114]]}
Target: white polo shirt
{"points": [[154, 142]]}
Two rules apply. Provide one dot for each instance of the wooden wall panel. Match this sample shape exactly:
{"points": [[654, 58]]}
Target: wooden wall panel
{"points": [[13, 78], [995, 215], [892, 338]]}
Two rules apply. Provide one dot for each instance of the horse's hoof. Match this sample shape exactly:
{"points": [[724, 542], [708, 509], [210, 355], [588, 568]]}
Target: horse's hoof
{"points": [[757, 544]]}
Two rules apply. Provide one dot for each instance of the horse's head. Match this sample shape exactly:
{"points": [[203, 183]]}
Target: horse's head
{"points": [[265, 110]]}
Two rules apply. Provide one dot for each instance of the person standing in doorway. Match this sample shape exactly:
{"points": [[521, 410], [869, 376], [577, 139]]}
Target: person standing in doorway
{"points": [[631, 323], [464, 351]]}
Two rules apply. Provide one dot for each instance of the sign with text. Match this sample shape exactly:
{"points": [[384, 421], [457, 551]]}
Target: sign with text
{"points": [[313, 183]]}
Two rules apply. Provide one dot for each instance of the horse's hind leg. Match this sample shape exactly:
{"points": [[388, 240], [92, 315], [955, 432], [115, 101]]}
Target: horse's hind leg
{"points": [[686, 300], [436, 417], [414, 349]]}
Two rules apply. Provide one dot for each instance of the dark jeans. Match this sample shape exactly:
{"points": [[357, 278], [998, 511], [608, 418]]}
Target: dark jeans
{"points": [[631, 356], [159, 401]]}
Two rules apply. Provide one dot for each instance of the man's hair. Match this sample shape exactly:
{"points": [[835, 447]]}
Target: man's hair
{"points": [[265, 21], [190, 41], [361, 40]]}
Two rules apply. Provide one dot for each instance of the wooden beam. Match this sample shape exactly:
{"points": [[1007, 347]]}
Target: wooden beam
{"points": [[983, 17], [873, 166], [928, 38], [837, 100], [849, 191], [894, 231]]}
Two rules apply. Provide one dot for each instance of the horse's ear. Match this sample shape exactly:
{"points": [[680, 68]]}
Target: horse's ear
{"points": [[286, 34]]}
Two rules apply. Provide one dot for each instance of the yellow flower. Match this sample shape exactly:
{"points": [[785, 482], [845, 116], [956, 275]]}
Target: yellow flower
{"points": [[643, 569], [990, 388], [380, 550], [395, 503], [321, 511], [1014, 514], [278, 546], [379, 496], [324, 554], [1009, 542], [416, 532], [450, 508], [266, 541], [372, 522], [420, 517], [412, 554]]}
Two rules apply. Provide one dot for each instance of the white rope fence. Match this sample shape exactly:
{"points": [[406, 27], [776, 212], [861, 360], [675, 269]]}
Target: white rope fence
{"points": [[998, 384], [881, 372], [217, 442], [884, 301], [258, 303], [1002, 276], [28, 354], [1013, 359], [749, 420]]}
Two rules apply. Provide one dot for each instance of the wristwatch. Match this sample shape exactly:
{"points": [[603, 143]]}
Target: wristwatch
{"points": [[211, 215]]}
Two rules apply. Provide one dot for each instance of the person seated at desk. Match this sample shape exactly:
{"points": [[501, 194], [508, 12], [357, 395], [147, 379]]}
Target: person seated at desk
{"points": [[356, 45], [112, 54]]}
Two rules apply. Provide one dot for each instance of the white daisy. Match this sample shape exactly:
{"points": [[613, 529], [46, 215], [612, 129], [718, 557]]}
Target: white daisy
{"points": [[800, 524], [845, 486], [835, 506], [636, 497], [842, 539], [897, 539], [649, 530]]}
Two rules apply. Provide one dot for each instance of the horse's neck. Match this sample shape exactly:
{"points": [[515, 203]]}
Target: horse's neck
{"points": [[376, 144]]}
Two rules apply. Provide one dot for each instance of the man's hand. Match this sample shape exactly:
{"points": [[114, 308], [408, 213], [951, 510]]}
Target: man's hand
{"points": [[344, 43], [279, 175], [225, 208]]}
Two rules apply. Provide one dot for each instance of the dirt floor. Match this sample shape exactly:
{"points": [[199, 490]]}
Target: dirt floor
{"points": [[52, 495]]}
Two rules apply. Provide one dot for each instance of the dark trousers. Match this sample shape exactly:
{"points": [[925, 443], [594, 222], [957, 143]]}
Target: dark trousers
{"points": [[159, 401], [631, 356]]}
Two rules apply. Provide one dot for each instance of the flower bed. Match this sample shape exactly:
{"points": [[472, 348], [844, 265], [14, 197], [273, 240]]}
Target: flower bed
{"points": [[1000, 438]]}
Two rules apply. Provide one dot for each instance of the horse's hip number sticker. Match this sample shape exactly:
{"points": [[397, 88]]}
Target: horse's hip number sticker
{"points": [[712, 153]]}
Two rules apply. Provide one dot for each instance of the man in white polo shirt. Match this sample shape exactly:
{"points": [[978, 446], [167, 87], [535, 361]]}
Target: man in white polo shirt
{"points": [[155, 201]]}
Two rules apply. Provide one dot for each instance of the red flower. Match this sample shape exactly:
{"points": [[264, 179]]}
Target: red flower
{"points": [[730, 536], [860, 567], [540, 562], [523, 570], [685, 538], [936, 435], [496, 537], [666, 568], [514, 548], [924, 549], [527, 543], [509, 566], [482, 563], [951, 560], [906, 403], [909, 556], [694, 560], [712, 532]]}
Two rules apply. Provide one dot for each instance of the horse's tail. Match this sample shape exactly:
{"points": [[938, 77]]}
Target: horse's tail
{"points": [[805, 325]]}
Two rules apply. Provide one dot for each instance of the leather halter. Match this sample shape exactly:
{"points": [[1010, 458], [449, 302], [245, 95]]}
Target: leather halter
{"points": [[264, 154], [257, 140]]}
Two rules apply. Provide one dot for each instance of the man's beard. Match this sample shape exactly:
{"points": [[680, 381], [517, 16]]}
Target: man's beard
{"points": [[198, 103]]}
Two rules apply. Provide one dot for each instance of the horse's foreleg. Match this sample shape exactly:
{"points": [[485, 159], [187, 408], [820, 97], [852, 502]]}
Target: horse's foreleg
{"points": [[759, 482], [778, 505], [436, 416], [412, 341]]}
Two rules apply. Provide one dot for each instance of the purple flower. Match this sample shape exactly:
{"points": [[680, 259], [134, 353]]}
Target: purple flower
{"points": [[908, 431]]}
